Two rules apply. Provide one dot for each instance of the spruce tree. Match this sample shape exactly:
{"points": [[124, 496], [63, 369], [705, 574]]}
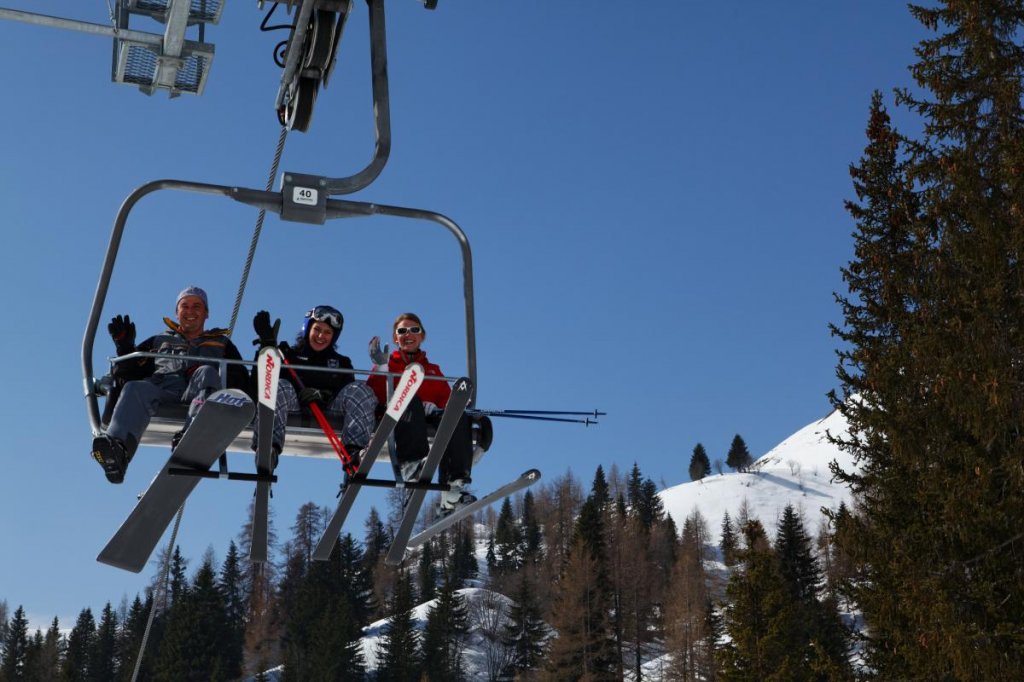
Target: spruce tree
{"points": [[398, 655], [103, 657], [129, 640], [739, 456], [700, 465], [633, 484], [464, 565], [51, 654], [508, 540], [16, 644], [797, 563], [444, 637], [525, 632], [232, 587], [354, 581], [762, 622], [491, 557], [376, 540], [334, 605], [822, 639], [427, 572], [336, 652], [533, 549], [728, 544], [81, 641], [296, 595], [33, 654], [934, 341], [648, 506], [599, 489], [196, 638]]}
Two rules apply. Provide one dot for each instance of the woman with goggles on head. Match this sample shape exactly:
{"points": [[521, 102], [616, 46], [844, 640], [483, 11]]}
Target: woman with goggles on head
{"points": [[339, 395], [411, 432]]}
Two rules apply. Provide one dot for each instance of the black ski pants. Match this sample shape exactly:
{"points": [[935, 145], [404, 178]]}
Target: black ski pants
{"points": [[411, 444]]}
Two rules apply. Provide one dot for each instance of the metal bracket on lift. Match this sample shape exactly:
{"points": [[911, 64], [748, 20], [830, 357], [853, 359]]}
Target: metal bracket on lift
{"points": [[303, 199]]}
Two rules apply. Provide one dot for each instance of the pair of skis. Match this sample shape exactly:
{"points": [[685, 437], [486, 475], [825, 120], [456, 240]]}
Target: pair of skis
{"points": [[408, 385], [222, 417], [462, 392]]}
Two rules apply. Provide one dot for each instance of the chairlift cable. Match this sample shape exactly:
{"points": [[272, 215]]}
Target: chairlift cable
{"points": [[162, 591], [257, 230], [162, 585]]}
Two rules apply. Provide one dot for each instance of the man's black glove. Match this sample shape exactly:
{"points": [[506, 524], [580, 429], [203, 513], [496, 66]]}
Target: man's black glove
{"points": [[308, 396], [122, 330], [267, 334]]}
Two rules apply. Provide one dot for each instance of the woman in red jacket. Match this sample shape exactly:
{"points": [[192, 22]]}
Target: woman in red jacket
{"points": [[411, 432]]}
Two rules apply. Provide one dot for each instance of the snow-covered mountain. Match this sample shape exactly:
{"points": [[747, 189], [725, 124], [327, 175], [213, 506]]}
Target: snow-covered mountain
{"points": [[796, 471]]}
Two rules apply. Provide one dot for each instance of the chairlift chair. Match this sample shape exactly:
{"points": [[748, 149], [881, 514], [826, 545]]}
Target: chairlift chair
{"points": [[301, 198]]}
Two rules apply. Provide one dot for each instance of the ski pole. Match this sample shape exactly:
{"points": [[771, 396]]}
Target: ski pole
{"points": [[591, 413], [497, 413], [332, 437]]}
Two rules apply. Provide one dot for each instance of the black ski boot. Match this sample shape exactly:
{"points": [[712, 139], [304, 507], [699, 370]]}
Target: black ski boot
{"points": [[112, 455]]}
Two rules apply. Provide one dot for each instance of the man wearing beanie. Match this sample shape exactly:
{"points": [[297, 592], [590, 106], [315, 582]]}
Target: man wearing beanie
{"points": [[147, 383]]}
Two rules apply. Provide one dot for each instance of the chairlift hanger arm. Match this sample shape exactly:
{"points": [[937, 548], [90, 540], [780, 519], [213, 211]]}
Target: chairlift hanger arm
{"points": [[379, 85], [381, 108]]}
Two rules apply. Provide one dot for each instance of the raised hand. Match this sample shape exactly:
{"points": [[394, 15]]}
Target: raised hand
{"points": [[266, 333], [122, 331], [377, 355]]}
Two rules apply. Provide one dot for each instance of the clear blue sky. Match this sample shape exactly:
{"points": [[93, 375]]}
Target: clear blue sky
{"points": [[653, 192]]}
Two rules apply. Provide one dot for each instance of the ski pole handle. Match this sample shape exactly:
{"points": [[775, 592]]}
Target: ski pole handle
{"points": [[325, 426]]}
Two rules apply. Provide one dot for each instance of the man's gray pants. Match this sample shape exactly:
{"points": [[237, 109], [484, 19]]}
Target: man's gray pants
{"points": [[140, 399]]}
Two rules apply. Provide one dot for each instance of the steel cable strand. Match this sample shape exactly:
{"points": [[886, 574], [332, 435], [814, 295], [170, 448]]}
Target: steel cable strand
{"points": [[234, 318], [162, 589], [257, 230]]}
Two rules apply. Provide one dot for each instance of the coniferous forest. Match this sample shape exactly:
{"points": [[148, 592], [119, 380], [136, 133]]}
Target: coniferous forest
{"points": [[596, 582], [583, 581]]}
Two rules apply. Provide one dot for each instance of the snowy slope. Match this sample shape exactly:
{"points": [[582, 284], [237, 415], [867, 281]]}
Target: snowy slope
{"points": [[796, 471], [486, 617]]}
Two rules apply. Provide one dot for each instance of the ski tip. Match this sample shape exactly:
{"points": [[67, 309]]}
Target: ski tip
{"points": [[532, 474], [123, 565], [394, 562]]}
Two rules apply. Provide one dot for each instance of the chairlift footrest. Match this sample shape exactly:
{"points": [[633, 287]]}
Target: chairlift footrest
{"points": [[231, 475], [392, 483]]}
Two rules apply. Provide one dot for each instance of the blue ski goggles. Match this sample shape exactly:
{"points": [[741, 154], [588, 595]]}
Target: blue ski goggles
{"points": [[325, 313]]}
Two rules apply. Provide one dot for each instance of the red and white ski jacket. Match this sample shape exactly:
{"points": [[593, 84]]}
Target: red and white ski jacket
{"points": [[436, 392]]}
